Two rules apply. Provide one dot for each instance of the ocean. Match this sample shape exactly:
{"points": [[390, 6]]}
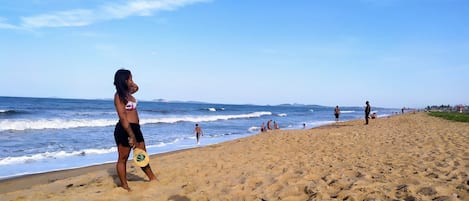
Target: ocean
{"points": [[47, 134]]}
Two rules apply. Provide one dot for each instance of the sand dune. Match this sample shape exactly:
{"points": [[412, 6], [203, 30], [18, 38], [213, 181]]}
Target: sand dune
{"points": [[405, 157]]}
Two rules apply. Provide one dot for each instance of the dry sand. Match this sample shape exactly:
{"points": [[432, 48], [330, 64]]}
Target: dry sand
{"points": [[405, 157]]}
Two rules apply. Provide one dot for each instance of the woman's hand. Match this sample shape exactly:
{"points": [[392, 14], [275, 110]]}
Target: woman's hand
{"points": [[133, 88], [132, 142]]}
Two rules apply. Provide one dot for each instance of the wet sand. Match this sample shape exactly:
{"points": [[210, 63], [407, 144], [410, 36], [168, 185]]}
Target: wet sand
{"points": [[404, 157]]}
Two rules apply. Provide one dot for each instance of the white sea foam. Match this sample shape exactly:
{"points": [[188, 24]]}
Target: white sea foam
{"points": [[203, 118], [282, 115], [28, 124], [161, 144], [212, 109], [254, 129], [94, 113], [53, 155], [347, 111], [383, 115]]}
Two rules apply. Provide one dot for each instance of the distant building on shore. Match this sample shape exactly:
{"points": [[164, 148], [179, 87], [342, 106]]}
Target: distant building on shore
{"points": [[448, 108]]}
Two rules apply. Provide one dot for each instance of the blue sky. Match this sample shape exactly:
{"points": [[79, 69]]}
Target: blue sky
{"points": [[393, 53]]}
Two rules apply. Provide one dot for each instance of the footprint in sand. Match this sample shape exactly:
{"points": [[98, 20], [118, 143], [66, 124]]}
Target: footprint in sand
{"points": [[427, 191], [189, 188]]}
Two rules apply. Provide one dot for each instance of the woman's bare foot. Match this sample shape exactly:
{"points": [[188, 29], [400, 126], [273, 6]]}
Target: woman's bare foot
{"points": [[126, 188], [153, 178]]}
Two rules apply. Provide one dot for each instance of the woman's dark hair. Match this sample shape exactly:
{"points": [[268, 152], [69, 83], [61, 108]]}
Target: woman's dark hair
{"points": [[120, 81]]}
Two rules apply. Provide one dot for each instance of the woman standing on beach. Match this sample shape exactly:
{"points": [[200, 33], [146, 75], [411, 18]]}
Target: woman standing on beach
{"points": [[127, 133]]}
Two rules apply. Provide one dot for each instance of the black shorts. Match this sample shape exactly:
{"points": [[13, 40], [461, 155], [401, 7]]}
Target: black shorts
{"points": [[121, 136], [336, 115]]}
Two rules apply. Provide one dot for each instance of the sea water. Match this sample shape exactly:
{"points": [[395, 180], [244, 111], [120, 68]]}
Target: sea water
{"points": [[47, 134]]}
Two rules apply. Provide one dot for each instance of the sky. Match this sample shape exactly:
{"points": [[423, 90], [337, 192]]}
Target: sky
{"points": [[394, 53]]}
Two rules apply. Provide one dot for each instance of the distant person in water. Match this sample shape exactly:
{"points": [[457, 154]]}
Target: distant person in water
{"points": [[276, 126], [198, 132], [304, 125], [127, 133], [336, 113], [263, 127], [367, 112], [269, 127]]}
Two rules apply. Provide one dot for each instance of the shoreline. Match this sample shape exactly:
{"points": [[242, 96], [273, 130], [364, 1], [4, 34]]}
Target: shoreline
{"points": [[402, 157]]}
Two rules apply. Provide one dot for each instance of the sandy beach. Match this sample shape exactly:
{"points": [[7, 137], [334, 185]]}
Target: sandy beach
{"points": [[404, 157]]}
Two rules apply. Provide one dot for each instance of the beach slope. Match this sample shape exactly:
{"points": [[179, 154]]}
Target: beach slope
{"points": [[404, 157]]}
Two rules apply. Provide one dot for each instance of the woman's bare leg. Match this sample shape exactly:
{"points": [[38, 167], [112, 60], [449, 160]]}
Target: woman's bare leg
{"points": [[147, 169], [121, 165]]}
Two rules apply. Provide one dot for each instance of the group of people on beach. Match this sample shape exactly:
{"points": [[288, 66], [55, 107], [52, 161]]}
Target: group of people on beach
{"points": [[367, 114], [127, 132], [265, 128]]}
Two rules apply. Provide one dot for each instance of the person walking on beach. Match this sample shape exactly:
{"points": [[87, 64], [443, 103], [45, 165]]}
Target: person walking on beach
{"points": [[198, 132], [367, 112], [127, 132], [336, 113]]}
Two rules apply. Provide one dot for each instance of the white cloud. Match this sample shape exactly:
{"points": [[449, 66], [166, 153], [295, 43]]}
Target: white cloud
{"points": [[139, 8], [60, 19], [5, 25], [84, 17], [143, 7]]}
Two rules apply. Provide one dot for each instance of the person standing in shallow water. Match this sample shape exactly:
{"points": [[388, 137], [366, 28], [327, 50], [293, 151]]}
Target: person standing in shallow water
{"points": [[198, 132], [127, 132], [367, 112], [269, 127], [276, 127], [336, 113]]}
